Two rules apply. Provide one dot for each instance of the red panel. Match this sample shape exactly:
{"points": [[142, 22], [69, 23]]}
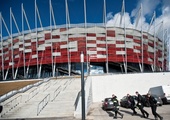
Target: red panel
{"points": [[55, 37], [91, 41], [145, 37], [101, 38], [101, 52], [27, 41], [47, 36], [91, 49], [111, 33], [41, 42], [137, 41], [129, 36], [120, 42], [15, 41], [76, 38], [101, 45], [91, 34], [62, 29]]}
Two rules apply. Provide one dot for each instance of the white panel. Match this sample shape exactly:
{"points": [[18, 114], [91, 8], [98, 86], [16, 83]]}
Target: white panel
{"points": [[41, 39], [41, 48], [63, 38], [100, 35], [28, 50], [91, 30], [129, 39], [129, 45], [101, 49], [27, 44], [111, 38], [101, 42], [120, 52], [41, 34], [136, 44], [56, 32], [137, 33], [20, 42], [7, 58], [73, 49], [101, 56], [11, 63], [73, 44], [33, 40], [34, 56], [63, 46], [16, 46], [21, 49], [120, 45], [136, 51], [91, 38], [92, 52], [5, 43], [100, 30], [111, 42], [48, 41], [77, 35], [150, 60], [47, 45], [120, 38], [150, 49], [56, 53], [17, 56], [76, 30], [91, 45]]}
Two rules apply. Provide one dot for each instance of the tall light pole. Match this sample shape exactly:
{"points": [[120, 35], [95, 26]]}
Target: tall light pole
{"points": [[82, 86]]}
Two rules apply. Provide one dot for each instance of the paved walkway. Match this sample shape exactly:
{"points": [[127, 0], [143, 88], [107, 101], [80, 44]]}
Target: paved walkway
{"points": [[96, 113]]}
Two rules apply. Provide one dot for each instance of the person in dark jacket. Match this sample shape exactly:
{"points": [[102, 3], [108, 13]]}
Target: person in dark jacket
{"points": [[140, 105], [116, 107], [152, 101], [131, 102]]}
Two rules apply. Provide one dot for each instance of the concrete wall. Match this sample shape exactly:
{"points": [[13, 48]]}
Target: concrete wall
{"points": [[121, 84]]}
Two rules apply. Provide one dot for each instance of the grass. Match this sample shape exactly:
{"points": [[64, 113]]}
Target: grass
{"points": [[6, 87]]}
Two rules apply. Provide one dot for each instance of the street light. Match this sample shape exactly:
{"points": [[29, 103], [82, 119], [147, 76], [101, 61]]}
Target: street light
{"points": [[82, 86]]}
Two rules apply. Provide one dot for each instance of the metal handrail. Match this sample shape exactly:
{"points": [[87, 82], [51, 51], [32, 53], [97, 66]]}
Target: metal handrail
{"points": [[77, 99], [12, 103], [43, 103], [32, 94], [55, 93], [47, 85]]}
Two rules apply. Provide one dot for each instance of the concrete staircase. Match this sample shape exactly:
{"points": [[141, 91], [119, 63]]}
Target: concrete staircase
{"points": [[54, 98]]}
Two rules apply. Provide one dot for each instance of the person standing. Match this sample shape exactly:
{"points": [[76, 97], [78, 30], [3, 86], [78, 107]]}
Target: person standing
{"points": [[131, 102], [153, 106], [140, 105], [116, 107]]}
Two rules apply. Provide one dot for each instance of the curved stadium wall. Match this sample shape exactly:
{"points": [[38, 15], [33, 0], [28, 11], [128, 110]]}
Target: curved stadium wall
{"points": [[55, 51]]}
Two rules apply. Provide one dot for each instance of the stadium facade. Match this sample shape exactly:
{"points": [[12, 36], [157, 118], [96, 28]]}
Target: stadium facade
{"points": [[55, 50]]}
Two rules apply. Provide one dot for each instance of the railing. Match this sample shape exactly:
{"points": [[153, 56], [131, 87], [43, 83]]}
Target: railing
{"points": [[77, 99], [47, 85], [43, 103], [11, 105], [56, 93], [8, 95], [32, 94]]}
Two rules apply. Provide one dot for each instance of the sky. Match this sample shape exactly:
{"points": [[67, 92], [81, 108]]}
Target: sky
{"points": [[94, 13]]}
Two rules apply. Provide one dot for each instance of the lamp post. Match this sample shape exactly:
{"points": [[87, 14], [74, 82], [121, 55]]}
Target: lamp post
{"points": [[82, 86]]}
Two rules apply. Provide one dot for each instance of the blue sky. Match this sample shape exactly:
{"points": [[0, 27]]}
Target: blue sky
{"points": [[94, 12], [76, 10]]}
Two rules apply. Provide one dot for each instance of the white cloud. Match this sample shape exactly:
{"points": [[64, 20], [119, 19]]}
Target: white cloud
{"points": [[149, 6]]}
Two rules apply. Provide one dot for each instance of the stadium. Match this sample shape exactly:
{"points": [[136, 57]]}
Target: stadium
{"points": [[55, 50]]}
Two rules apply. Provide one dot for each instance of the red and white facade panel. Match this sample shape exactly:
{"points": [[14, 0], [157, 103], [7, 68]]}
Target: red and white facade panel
{"points": [[62, 45]]}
